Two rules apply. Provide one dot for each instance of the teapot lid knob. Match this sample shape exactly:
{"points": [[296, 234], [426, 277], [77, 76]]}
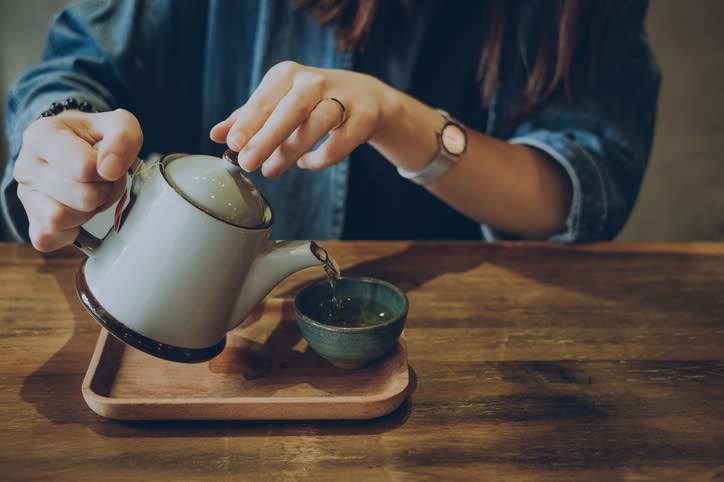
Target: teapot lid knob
{"points": [[231, 157]]}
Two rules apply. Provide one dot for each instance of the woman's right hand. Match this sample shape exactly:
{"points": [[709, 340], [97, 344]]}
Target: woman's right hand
{"points": [[63, 181]]}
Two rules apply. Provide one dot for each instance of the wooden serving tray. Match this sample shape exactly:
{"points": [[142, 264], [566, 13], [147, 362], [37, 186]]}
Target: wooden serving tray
{"points": [[266, 372]]}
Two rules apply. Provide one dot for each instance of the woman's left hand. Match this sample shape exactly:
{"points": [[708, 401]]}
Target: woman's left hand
{"points": [[293, 108]]}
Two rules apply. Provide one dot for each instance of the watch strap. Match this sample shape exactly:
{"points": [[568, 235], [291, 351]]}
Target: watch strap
{"points": [[440, 163]]}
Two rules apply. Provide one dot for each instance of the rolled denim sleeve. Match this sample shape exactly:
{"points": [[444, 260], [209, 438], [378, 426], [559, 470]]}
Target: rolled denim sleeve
{"points": [[601, 135], [588, 211]]}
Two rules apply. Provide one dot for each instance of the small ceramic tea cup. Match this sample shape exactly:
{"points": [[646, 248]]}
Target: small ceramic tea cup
{"points": [[362, 323]]}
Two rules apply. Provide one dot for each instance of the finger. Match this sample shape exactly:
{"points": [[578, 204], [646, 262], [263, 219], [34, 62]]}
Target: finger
{"points": [[56, 142], [66, 141], [117, 191], [81, 196], [292, 111], [254, 114], [27, 167], [337, 146], [220, 131], [48, 214], [50, 241], [121, 142], [325, 117], [48, 222]]}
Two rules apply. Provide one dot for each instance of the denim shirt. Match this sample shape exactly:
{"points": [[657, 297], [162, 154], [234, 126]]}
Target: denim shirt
{"points": [[181, 66]]}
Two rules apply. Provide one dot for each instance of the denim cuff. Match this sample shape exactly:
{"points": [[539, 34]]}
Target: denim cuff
{"points": [[589, 207]]}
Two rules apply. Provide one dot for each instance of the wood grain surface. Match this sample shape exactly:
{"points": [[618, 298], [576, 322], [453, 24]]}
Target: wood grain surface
{"points": [[530, 361]]}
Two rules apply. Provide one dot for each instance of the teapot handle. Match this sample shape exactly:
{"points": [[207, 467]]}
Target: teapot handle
{"points": [[87, 242]]}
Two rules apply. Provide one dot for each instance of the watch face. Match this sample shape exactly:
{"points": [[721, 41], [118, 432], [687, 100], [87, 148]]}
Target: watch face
{"points": [[453, 139]]}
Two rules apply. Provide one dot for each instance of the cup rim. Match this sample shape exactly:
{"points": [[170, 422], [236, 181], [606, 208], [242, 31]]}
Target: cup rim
{"points": [[354, 329]]}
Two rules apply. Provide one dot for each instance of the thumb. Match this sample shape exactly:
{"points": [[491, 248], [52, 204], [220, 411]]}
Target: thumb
{"points": [[121, 141]]}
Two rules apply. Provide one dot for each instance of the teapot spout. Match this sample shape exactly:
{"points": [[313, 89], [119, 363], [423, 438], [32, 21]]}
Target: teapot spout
{"points": [[276, 261]]}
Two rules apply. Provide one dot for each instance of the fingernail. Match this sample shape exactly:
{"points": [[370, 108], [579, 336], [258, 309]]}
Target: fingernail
{"points": [[247, 165], [110, 167], [212, 136], [246, 160], [236, 142]]}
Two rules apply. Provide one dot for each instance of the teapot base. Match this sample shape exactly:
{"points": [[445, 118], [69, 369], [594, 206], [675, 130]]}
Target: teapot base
{"points": [[135, 339]]}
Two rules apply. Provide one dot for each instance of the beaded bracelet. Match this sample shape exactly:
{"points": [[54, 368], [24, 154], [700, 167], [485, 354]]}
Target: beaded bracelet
{"points": [[69, 104]]}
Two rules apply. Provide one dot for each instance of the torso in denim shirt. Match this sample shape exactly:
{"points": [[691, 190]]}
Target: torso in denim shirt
{"points": [[183, 65], [361, 197]]}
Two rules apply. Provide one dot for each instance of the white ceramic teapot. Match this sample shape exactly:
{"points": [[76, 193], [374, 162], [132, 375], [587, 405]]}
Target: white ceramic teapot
{"points": [[188, 259]]}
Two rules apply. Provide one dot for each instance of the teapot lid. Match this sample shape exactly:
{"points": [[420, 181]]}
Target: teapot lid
{"points": [[217, 186]]}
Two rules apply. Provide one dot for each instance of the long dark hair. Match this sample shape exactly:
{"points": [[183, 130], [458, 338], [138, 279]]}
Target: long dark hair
{"points": [[569, 38]]}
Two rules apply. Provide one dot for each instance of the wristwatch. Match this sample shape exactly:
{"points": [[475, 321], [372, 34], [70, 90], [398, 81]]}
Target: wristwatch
{"points": [[452, 142]]}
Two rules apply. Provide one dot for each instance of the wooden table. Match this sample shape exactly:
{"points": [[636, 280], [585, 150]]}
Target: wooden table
{"points": [[530, 362]]}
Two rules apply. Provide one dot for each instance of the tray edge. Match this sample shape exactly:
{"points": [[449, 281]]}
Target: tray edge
{"points": [[225, 409]]}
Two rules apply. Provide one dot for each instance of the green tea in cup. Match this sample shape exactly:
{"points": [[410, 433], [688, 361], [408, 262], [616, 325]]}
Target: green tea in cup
{"points": [[357, 323]]}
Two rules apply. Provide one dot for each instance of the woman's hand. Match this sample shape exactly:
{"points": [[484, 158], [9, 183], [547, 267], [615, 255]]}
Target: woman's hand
{"points": [[63, 181], [513, 188], [293, 108]]}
